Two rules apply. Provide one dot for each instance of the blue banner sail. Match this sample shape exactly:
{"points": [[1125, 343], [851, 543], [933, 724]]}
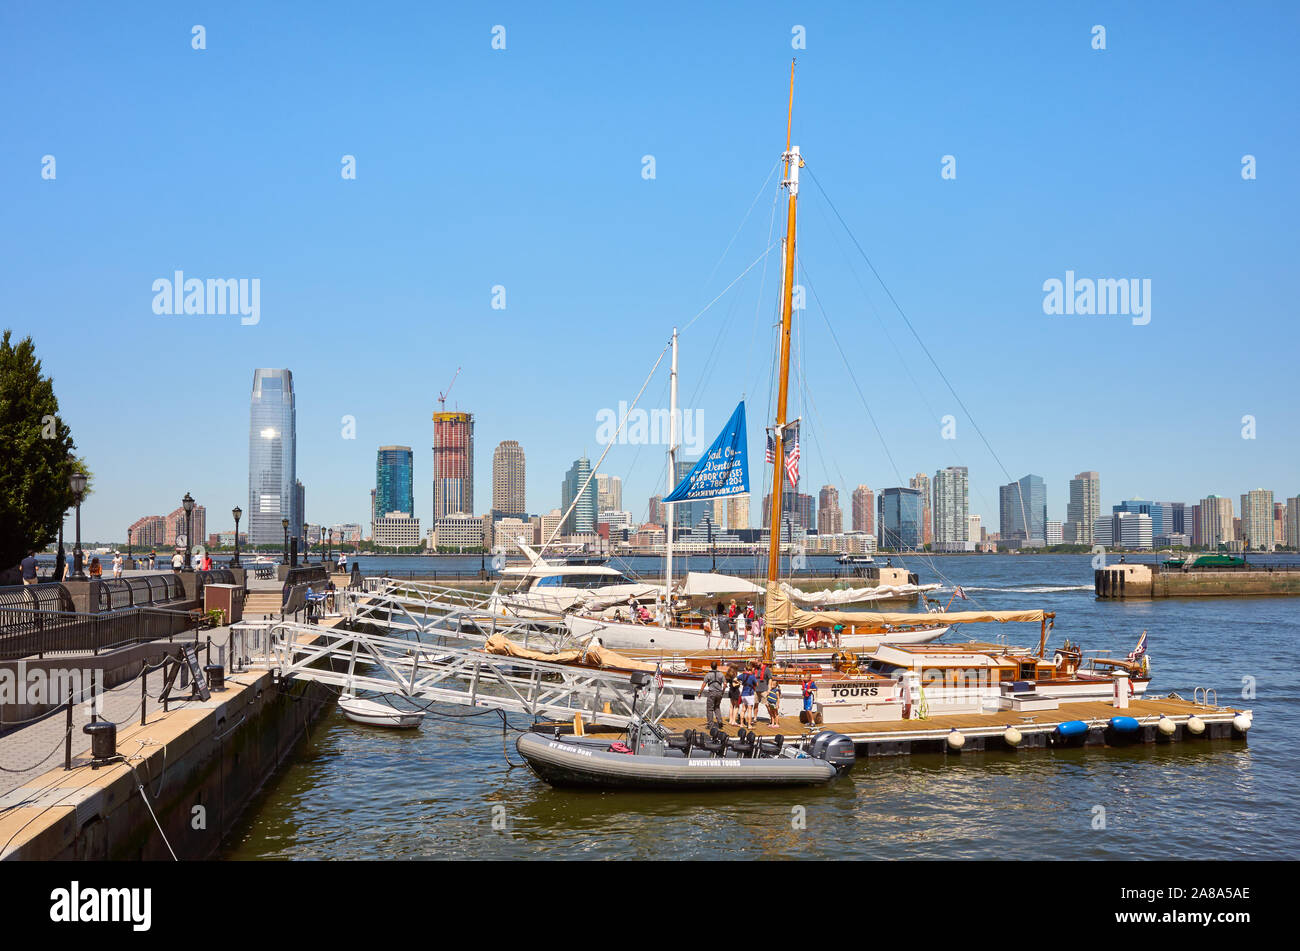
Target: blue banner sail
{"points": [[722, 471]]}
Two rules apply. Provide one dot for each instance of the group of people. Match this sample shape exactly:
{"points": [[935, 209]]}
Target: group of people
{"points": [[736, 625], [814, 637], [748, 689]]}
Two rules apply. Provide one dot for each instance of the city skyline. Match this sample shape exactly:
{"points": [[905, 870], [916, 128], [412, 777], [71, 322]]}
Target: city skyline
{"points": [[127, 224]]}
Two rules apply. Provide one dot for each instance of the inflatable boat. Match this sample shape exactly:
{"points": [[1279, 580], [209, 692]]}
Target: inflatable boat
{"points": [[654, 759]]}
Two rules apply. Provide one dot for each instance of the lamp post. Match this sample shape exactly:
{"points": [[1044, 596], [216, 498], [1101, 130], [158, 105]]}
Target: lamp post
{"points": [[306, 549], [329, 548], [78, 483], [236, 511], [284, 523], [187, 503], [128, 547]]}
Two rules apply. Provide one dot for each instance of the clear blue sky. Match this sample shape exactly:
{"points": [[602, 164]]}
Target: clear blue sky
{"points": [[523, 167]]}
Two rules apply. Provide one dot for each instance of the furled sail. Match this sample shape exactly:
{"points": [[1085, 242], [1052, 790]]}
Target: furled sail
{"points": [[782, 614]]}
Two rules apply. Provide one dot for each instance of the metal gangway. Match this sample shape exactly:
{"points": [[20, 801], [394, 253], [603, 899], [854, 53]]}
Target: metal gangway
{"points": [[440, 672]]}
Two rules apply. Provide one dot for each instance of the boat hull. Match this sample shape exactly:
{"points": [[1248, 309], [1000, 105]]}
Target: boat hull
{"points": [[569, 765], [369, 713]]}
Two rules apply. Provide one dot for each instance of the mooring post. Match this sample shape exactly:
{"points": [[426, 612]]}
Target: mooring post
{"points": [[144, 687]]}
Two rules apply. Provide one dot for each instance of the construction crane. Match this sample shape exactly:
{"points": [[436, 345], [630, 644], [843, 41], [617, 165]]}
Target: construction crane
{"points": [[442, 397]]}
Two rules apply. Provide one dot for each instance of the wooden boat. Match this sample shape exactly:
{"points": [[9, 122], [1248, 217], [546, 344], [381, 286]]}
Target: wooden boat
{"points": [[370, 713]]}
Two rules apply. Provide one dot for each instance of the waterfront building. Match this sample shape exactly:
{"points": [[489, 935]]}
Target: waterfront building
{"points": [[1103, 532], [974, 532], [457, 531], [453, 463], [609, 492], [1215, 522], [830, 520], [797, 507], [1132, 530], [864, 510], [395, 480], [507, 531], [397, 530], [582, 520], [1293, 522], [548, 526], [951, 510], [687, 514], [1055, 533], [1279, 523], [737, 512], [1022, 512], [898, 519], [655, 510], [272, 458], [1084, 506], [149, 532], [1257, 520], [346, 533], [508, 478], [1142, 507], [174, 527], [616, 520], [921, 482], [1179, 521]]}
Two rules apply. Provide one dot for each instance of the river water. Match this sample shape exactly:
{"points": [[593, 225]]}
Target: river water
{"points": [[446, 791]]}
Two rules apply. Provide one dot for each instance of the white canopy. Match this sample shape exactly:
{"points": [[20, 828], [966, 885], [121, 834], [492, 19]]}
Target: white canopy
{"points": [[703, 584]]}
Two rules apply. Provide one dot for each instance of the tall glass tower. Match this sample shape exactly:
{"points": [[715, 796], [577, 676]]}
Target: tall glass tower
{"points": [[583, 518], [272, 458], [394, 481]]}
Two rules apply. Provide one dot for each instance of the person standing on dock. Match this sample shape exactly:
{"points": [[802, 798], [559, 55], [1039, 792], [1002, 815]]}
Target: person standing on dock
{"points": [[748, 696], [28, 565], [153, 560], [178, 561], [733, 696], [714, 683], [117, 564], [61, 564], [774, 704]]}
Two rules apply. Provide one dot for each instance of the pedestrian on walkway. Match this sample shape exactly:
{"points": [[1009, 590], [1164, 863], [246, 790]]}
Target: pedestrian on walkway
{"points": [[153, 558], [178, 561], [774, 704], [61, 564], [28, 565], [748, 696], [117, 564], [733, 696], [96, 569]]}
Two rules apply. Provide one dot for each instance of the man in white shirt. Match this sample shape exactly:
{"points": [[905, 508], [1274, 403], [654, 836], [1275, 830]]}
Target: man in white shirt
{"points": [[178, 561], [117, 564]]}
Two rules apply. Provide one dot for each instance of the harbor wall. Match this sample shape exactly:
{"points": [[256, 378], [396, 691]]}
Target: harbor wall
{"points": [[1119, 582], [200, 766]]}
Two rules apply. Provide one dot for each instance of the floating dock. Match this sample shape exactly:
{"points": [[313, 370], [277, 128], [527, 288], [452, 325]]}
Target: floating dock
{"points": [[989, 732], [1120, 582]]}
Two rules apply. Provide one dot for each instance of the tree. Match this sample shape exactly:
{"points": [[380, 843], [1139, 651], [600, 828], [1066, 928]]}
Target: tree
{"points": [[37, 449]]}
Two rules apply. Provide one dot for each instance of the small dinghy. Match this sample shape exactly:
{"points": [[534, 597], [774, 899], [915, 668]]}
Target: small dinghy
{"points": [[378, 714]]}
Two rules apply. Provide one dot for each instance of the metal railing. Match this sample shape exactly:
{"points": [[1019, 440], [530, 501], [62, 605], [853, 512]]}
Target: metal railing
{"points": [[113, 594], [33, 633]]}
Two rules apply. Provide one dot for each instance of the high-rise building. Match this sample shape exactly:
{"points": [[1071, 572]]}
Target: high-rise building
{"points": [[1022, 511], [298, 524], [973, 529], [583, 516], [1155, 510], [898, 519], [830, 520], [1178, 519], [508, 497], [864, 510], [951, 510], [453, 464], [397, 530], [395, 481], [175, 525], [655, 513], [609, 492], [1084, 507], [795, 506], [921, 482], [688, 514], [149, 532], [737, 512], [1293, 522], [1132, 530], [272, 458], [1055, 533], [1257, 520], [1215, 522]]}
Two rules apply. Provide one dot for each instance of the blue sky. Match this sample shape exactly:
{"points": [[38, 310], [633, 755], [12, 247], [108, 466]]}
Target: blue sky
{"points": [[522, 167]]}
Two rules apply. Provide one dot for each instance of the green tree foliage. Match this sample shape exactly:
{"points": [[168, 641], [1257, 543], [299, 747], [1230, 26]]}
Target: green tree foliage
{"points": [[36, 459]]}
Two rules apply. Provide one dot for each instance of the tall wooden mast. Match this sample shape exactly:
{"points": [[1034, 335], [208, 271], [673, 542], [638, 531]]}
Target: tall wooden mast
{"points": [[791, 183]]}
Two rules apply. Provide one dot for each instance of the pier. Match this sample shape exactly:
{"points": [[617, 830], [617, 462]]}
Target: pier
{"points": [[1138, 581]]}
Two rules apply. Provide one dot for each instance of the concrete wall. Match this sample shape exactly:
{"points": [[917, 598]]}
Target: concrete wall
{"points": [[1142, 581]]}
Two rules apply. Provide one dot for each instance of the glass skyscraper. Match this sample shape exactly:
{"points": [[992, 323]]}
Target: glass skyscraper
{"points": [[272, 459], [394, 481], [898, 519], [1022, 510], [583, 517]]}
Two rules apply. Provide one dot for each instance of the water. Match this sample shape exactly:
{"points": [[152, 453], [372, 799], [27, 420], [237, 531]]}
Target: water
{"points": [[359, 793]]}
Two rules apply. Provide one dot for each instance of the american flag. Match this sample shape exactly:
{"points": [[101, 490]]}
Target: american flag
{"points": [[792, 459], [771, 448], [960, 593], [1140, 651]]}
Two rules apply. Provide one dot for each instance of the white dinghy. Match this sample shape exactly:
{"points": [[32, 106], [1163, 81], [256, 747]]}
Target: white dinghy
{"points": [[372, 713]]}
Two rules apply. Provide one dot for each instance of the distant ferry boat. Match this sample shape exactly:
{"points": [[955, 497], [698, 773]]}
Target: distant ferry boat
{"points": [[856, 560]]}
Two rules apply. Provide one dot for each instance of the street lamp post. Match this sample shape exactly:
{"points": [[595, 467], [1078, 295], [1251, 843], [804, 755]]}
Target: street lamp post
{"points": [[128, 547], [187, 503], [306, 549], [329, 548], [284, 523], [236, 511], [78, 482]]}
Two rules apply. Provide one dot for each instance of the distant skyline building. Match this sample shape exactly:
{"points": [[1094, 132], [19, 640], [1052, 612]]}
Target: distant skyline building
{"points": [[921, 482], [687, 514], [1215, 522], [453, 464], [1154, 510], [864, 510], [797, 507], [830, 520], [951, 510], [1022, 511], [655, 511], [1293, 522], [609, 492], [583, 516], [395, 481], [737, 512], [1083, 509], [1257, 520], [509, 499], [149, 531], [898, 519], [272, 458]]}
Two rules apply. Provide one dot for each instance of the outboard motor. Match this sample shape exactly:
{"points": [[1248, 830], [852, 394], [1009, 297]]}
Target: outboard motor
{"points": [[836, 748]]}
